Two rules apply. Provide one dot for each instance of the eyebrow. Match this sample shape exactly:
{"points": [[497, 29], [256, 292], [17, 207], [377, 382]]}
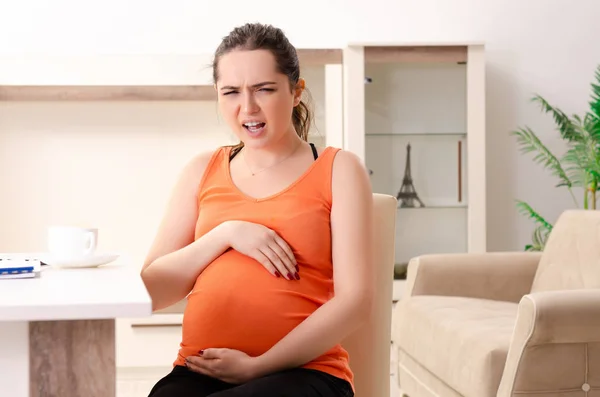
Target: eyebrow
{"points": [[258, 85]]}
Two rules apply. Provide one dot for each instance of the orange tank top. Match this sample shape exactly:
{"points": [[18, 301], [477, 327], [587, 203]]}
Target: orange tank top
{"points": [[235, 302]]}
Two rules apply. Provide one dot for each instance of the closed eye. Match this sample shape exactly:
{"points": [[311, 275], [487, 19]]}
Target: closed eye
{"points": [[261, 89]]}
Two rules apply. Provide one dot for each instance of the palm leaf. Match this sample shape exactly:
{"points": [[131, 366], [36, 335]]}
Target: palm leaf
{"points": [[574, 161], [525, 209], [579, 166], [595, 102], [582, 159], [591, 123], [565, 126], [529, 142], [539, 238]]}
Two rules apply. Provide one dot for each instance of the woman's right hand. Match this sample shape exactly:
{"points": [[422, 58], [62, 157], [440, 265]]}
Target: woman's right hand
{"points": [[264, 245]]}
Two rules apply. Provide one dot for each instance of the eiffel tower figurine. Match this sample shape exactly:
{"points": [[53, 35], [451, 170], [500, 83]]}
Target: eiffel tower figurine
{"points": [[407, 195]]}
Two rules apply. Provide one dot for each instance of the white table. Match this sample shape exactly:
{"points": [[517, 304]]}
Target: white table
{"points": [[57, 332]]}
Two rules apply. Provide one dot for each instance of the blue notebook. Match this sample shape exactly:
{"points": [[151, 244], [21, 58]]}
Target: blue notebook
{"points": [[13, 267]]}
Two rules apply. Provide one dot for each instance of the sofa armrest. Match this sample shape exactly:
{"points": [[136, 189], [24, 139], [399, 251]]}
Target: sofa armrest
{"points": [[505, 276], [556, 337]]}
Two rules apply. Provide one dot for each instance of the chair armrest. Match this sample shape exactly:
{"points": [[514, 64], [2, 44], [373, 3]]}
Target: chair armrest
{"points": [[556, 337], [504, 276]]}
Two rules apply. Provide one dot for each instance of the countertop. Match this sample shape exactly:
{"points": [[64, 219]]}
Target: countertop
{"points": [[109, 291]]}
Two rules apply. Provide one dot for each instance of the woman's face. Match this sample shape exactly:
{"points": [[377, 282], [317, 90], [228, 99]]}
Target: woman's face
{"points": [[254, 98]]}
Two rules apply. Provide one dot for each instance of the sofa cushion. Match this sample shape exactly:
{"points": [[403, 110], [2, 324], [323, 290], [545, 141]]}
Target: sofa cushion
{"points": [[463, 341]]}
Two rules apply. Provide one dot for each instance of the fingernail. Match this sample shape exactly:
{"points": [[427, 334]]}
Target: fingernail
{"points": [[201, 352], [297, 276], [277, 273], [290, 275]]}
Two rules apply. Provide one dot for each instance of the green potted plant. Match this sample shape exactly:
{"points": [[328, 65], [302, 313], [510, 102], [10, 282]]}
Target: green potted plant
{"points": [[579, 167]]}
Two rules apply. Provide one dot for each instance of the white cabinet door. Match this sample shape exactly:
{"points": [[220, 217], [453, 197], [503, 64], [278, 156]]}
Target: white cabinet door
{"points": [[148, 342]]}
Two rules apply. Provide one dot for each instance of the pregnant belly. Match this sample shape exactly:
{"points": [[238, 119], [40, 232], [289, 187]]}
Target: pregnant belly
{"points": [[236, 303]]}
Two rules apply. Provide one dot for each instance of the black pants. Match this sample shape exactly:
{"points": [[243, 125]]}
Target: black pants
{"points": [[298, 382]]}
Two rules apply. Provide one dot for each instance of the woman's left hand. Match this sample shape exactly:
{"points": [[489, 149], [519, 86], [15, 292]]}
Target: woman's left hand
{"points": [[228, 365]]}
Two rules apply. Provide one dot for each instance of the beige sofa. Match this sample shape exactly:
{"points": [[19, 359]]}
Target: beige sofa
{"points": [[505, 324]]}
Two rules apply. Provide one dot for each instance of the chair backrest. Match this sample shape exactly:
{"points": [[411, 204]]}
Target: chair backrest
{"points": [[571, 257], [369, 346]]}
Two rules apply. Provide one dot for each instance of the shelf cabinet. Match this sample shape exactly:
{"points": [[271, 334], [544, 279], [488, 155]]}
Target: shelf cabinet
{"points": [[427, 103]]}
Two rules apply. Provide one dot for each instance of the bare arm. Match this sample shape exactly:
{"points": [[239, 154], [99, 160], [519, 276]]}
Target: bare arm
{"points": [[175, 260], [351, 223]]}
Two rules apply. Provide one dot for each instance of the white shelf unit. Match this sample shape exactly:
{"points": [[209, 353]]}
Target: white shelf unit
{"points": [[430, 96]]}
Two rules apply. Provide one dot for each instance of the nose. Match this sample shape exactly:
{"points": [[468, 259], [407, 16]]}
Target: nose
{"points": [[249, 104]]}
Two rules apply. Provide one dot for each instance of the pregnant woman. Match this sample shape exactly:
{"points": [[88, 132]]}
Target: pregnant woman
{"points": [[270, 240]]}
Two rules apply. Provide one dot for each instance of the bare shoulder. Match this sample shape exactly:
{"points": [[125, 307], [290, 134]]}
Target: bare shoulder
{"points": [[349, 173], [346, 159], [176, 229], [195, 167]]}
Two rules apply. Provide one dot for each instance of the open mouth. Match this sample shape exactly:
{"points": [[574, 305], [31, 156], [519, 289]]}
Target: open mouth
{"points": [[254, 127]]}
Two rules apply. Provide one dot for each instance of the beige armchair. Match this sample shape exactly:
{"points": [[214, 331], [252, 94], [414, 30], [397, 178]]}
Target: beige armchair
{"points": [[505, 324]]}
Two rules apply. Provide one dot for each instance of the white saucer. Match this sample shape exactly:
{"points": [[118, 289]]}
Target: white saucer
{"points": [[93, 260]]}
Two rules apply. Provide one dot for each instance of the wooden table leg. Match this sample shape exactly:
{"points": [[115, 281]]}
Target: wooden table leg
{"points": [[72, 358]]}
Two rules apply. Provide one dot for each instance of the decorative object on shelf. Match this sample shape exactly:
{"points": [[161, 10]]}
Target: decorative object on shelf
{"points": [[459, 171], [400, 271], [578, 167], [407, 195]]}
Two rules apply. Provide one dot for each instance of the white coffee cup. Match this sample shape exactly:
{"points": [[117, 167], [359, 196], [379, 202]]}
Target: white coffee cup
{"points": [[71, 242]]}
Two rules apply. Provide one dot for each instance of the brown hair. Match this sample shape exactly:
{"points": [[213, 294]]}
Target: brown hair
{"points": [[256, 36]]}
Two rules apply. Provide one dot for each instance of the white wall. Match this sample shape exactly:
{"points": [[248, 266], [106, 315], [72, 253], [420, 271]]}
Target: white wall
{"points": [[106, 165], [109, 165], [556, 58]]}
